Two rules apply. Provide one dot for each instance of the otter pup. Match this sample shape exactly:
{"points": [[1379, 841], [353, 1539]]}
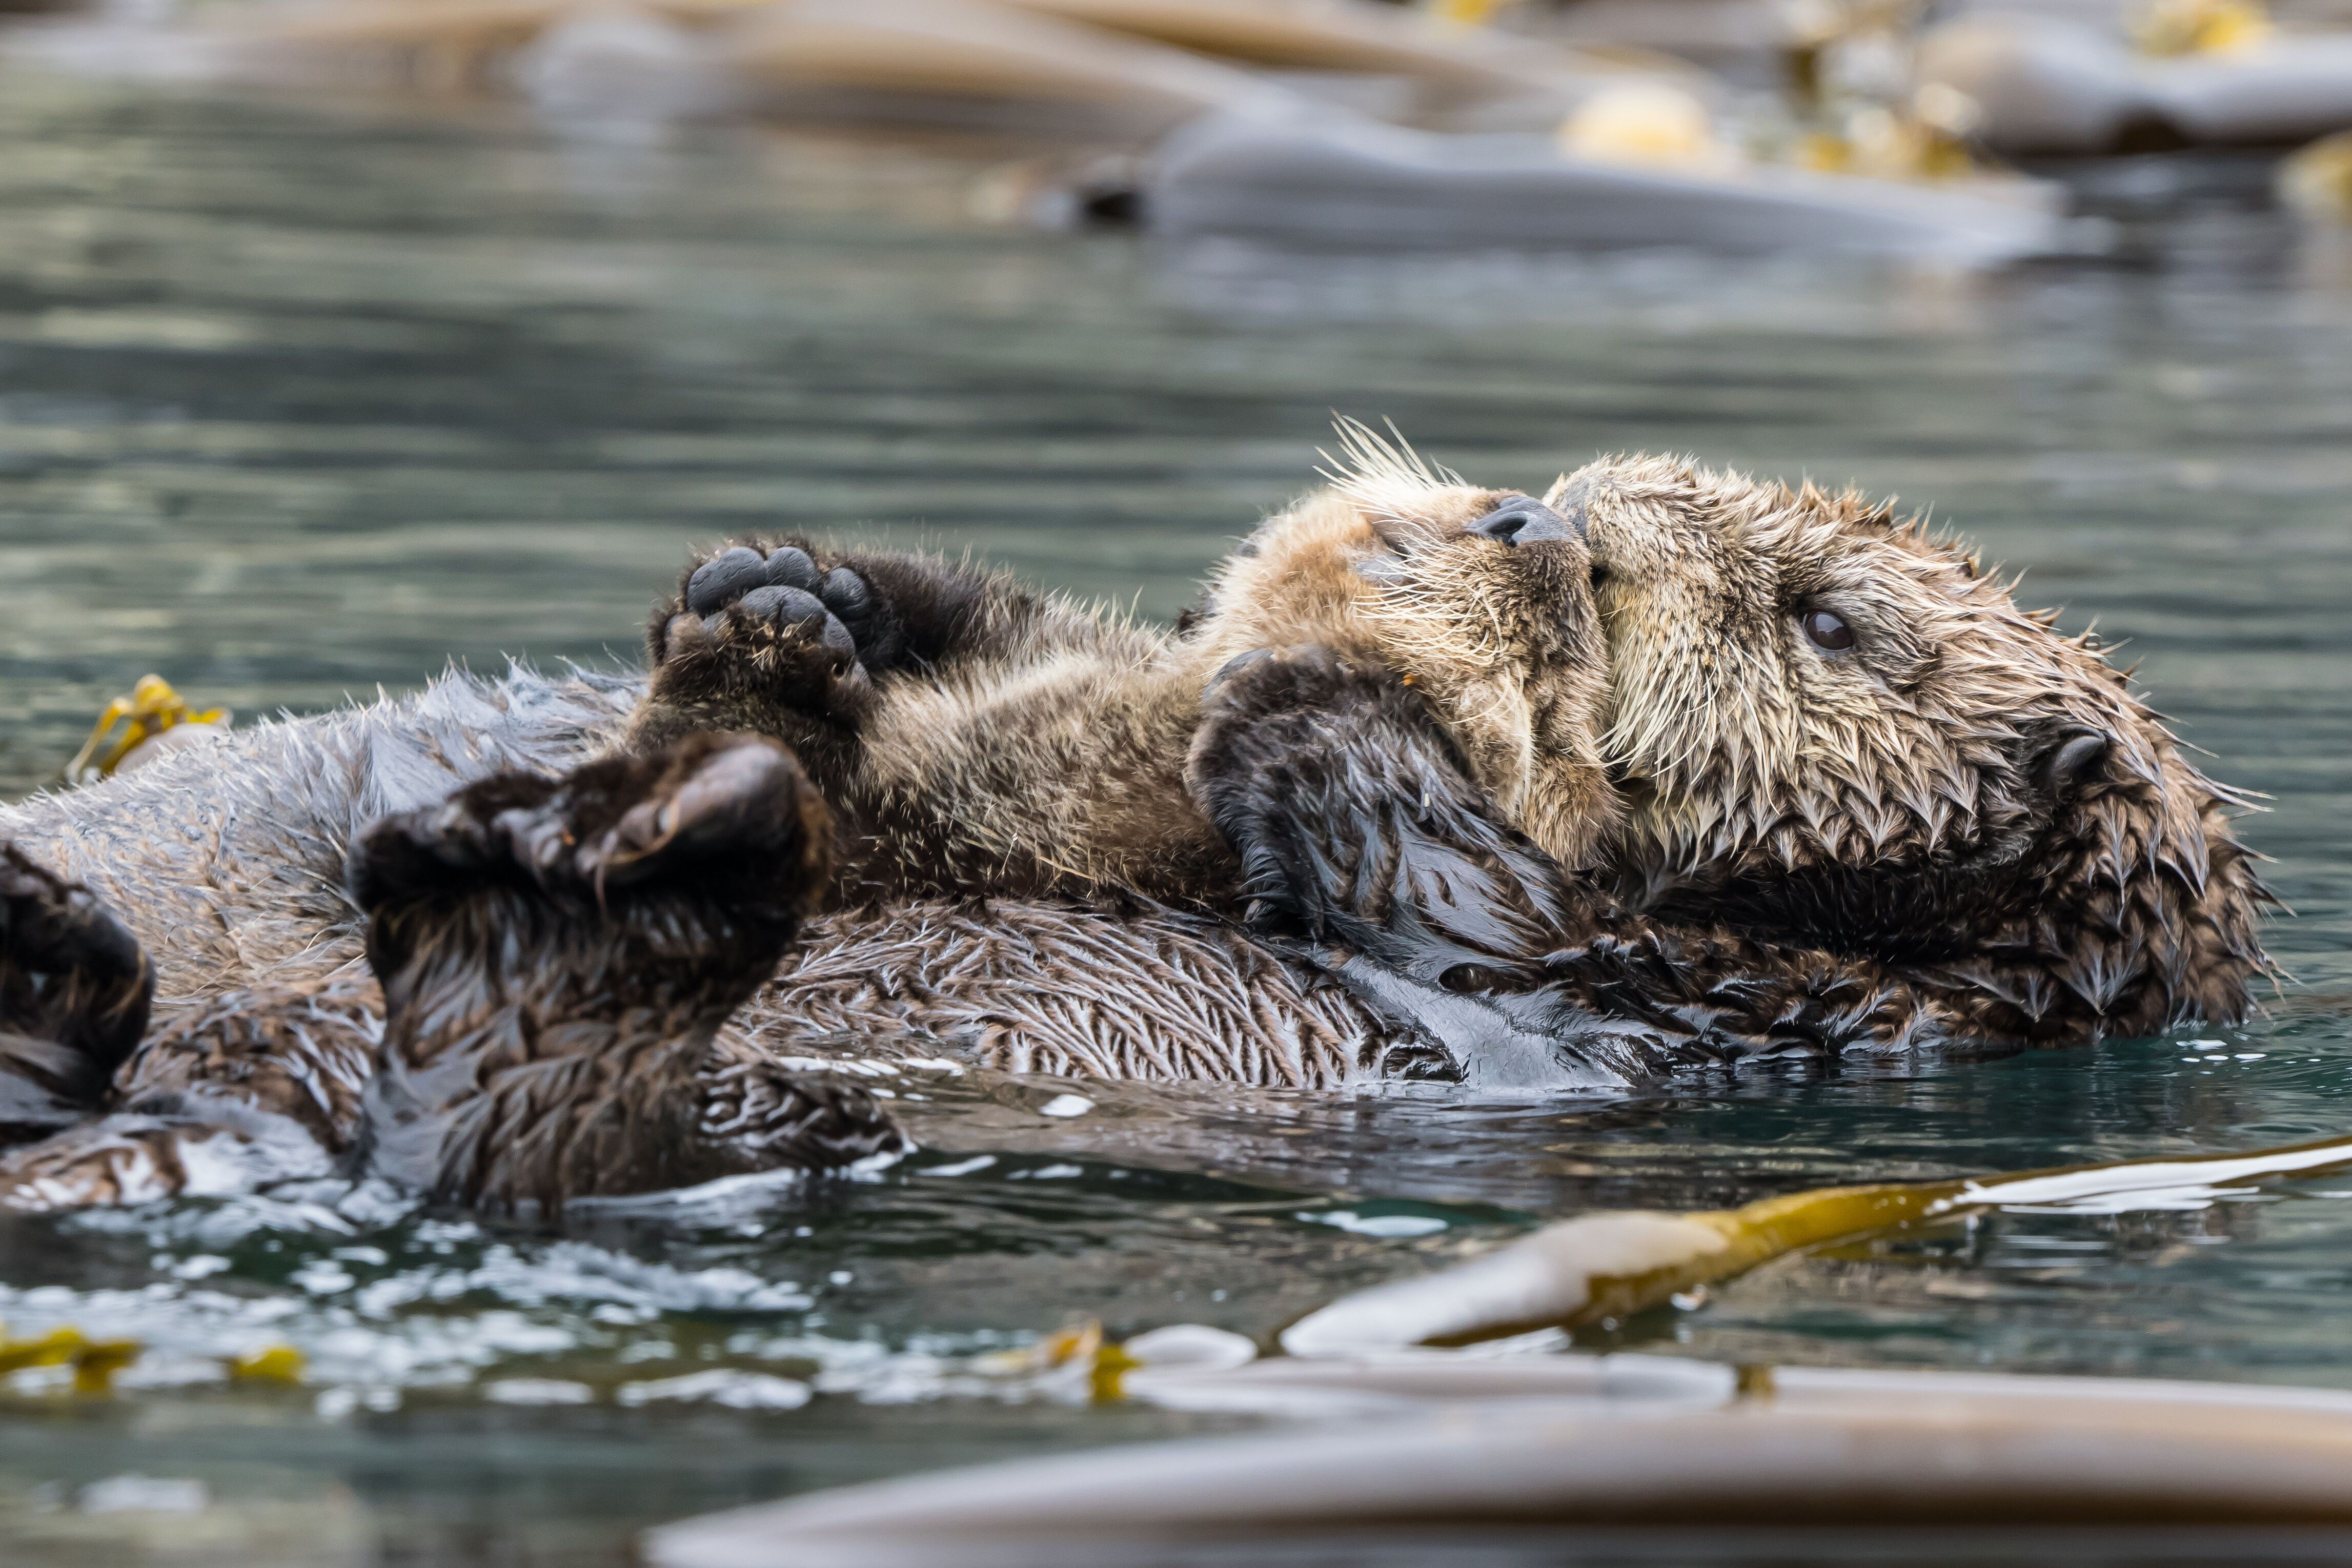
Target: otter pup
{"points": [[981, 737]]}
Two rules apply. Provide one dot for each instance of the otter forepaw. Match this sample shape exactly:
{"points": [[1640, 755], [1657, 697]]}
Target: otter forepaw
{"points": [[1355, 818], [1268, 680], [756, 626], [74, 993]]}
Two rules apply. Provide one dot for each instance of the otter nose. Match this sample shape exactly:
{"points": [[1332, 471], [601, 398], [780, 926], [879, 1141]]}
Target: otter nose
{"points": [[1524, 520], [2073, 759]]}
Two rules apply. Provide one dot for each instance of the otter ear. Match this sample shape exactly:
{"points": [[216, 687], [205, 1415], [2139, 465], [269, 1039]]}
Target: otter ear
{"points": [[2075, 758]]}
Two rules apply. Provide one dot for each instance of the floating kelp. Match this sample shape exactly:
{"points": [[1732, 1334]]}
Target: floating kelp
{"points": [[1460, 75], [1128, 65], [1353, 182], [2044, 84], [1447, 1447], [95, 1362], [1609, 1265], [152, 722], [1473, 1453]]}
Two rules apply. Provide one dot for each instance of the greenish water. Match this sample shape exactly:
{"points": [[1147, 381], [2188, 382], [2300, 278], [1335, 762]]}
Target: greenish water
{"points": [[299, 398]]}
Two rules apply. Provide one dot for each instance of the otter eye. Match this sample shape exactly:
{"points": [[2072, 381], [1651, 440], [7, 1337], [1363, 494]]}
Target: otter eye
{"points": [[1829, 631]]}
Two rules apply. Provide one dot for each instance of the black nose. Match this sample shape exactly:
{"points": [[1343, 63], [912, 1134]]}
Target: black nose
{"points": [[1524, 520], [2075, 758]]}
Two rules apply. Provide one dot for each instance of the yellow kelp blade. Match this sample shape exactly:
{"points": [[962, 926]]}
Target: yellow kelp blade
{"points": [[280, 1363], [151, 708], [1609, 1264]]}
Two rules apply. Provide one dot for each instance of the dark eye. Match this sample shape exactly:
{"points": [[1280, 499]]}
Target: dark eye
{"points": [[1828, 631]]}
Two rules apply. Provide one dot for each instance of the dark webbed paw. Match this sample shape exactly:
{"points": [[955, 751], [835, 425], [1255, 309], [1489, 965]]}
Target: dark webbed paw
{"points": [[74, 994], [724, 822], [557, 957], [1355, 818], [774, 625]]}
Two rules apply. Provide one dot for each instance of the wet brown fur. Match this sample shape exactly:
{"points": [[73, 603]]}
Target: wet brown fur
{"points": [[557, 959], [1895, 800]]}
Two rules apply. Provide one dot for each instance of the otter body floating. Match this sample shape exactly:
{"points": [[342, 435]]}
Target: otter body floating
{"points": [[1327, 179]]}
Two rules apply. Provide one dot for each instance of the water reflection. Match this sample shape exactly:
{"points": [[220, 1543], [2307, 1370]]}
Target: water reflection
{"points": [[297, 398]]}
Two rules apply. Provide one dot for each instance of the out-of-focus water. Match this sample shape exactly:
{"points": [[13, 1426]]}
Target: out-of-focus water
{"points": [[297, 398]]}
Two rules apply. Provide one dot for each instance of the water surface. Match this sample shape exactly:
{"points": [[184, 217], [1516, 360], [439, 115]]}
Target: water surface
{"points": [[299, 398]]}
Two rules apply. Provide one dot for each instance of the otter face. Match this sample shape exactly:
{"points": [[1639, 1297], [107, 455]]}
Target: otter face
{"points": [[1829, 724], [1480, 599]]}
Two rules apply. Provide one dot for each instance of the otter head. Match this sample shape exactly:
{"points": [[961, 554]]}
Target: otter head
{"points": [[1480, 599], [1832, 727]]}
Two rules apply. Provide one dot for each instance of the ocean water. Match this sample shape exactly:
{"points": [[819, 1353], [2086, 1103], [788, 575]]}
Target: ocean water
{"points": [[302, 397]]}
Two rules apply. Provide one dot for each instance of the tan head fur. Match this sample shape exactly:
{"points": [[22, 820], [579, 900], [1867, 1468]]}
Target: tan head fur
{"points": [[1960, 783], [1501, 638]]}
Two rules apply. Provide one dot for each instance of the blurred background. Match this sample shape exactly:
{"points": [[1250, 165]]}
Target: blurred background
{"points": [[341, 340]]}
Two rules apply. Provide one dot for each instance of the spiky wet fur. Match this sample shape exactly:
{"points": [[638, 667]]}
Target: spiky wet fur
{"points": [[1895, 800], [1872, 838], [1895, 804]]}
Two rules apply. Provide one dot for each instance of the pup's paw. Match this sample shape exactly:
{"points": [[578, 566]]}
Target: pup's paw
{"points": [[1301, 759], [774, 624], [1356, 820], [74, 986]]}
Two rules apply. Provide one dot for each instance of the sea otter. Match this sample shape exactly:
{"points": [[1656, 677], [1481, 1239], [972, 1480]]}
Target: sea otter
{"points": [[1900, 812]]}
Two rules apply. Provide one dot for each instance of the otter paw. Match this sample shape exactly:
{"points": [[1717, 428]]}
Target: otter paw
{"points": [[74, 990], [1298, 679], [557, 957], [775, 625], [1357, 822], [1300, 761], [728, 821]]}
